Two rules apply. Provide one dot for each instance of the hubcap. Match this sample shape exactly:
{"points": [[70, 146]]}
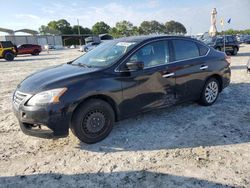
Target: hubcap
{"points": [[211, 92], [94, 122]]}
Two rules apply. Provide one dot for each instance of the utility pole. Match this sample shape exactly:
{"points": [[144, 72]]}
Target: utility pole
{"points": [[79, 33]]}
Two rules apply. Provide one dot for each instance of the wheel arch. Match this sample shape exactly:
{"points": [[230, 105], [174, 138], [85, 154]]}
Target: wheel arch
{"points": [[6, 51], [103, 97], [218, 78]]}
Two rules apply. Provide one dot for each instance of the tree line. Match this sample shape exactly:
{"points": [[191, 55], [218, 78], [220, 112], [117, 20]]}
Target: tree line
{"points": [[121, 29], [235, 32]]}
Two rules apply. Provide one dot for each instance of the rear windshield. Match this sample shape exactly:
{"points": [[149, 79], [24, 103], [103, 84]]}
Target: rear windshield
{"points": [[7, 44]]}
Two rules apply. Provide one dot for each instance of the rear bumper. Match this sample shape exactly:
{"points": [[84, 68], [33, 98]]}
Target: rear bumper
{"points": [[43, 122]]}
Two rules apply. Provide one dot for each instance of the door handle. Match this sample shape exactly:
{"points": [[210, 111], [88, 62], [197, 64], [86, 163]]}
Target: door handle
{"points": [[203, 67], [168, 75]]}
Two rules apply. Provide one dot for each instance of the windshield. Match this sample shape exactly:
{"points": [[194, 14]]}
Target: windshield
{"points": [[105, 54]]}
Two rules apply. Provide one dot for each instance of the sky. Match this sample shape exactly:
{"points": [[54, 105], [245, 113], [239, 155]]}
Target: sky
{"points": [[195, 15]]}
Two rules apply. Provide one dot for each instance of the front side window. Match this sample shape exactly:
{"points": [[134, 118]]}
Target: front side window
{"points": [[185, 49], [104, 54], [153, 54]]}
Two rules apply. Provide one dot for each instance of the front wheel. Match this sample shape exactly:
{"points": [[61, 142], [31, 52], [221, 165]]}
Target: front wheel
{"points": [[210, 92], [9, 56], [93, 121], [235, 51]]}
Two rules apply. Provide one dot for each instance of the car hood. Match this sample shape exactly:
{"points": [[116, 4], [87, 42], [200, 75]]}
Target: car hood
{"points": [[54, 77]]}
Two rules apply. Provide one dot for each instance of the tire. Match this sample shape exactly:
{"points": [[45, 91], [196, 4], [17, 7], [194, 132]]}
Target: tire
{"points": [[9, 56], [235, 51], [210, 92], [35, 52], [93, 121]]}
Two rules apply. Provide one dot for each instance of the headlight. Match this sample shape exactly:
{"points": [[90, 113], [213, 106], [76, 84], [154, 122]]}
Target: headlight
{"points": [[45, 97]]}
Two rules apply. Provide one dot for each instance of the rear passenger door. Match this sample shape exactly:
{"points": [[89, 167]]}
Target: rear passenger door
{"points": [[191, 68]]}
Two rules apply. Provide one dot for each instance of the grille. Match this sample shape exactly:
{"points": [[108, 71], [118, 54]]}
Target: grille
{"points": [[18, 98]]}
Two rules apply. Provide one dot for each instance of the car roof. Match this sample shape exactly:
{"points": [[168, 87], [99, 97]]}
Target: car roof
{"points": [[150, 37]]}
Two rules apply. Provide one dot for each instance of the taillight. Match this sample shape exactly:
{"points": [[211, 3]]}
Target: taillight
{"points": [[228, 59]]}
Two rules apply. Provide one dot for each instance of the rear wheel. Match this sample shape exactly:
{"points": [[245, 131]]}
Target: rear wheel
{"points": [[35, 52], [9, 56], [210, 92], [235, 51], [93, 121]]}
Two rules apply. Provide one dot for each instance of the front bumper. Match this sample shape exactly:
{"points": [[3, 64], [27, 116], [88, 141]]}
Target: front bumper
{"points": [[51, 121]]}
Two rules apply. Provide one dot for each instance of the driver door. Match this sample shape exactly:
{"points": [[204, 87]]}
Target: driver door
{"points": [[151, 87]]}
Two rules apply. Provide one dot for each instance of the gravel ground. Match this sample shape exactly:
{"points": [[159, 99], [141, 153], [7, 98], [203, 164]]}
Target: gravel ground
{"points": [[184, 146]]}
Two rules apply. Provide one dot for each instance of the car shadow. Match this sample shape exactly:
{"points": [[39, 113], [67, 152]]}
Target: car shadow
{"points": [[244, 54], [238, 67], [41, 54], [184, 126], [34, 59], [142, 178]]}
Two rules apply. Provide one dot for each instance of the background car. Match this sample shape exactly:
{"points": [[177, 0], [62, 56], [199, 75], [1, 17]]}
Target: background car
{"points": [[29, 49], [231, 44], [7, 50], [247, 39]]}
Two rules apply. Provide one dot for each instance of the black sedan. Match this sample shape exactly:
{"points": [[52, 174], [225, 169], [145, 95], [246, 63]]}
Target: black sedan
{"points": [[118, 79]]}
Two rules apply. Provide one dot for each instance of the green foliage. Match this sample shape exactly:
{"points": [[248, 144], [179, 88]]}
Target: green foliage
{"points": [[100, 28], [122, 29], [63, 26], [152, 27], [175, 27], [235, 32], [44, 30], [83, 31], [56, 27]]}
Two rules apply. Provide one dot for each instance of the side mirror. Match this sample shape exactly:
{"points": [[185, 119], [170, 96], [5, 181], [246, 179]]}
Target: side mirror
{"points": [[135, 65]]}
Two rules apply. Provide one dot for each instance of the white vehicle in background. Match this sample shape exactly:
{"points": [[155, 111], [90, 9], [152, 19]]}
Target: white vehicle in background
{"points": [[89, 46], [94, 41], [49, 47]]}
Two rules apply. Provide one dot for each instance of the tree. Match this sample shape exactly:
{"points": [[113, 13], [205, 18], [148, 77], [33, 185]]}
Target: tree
{"points": [[83, 30], [45, 30], [114, 32], [152, 27], [100, 28], [56, 27], [125, 28], [64, 26], [175, 27]]}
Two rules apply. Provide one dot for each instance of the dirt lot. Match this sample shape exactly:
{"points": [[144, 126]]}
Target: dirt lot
{"points": [[184, 146]]}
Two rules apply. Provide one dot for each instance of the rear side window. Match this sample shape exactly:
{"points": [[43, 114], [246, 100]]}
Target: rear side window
{"points": [[202, 49], [185, 49]]}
